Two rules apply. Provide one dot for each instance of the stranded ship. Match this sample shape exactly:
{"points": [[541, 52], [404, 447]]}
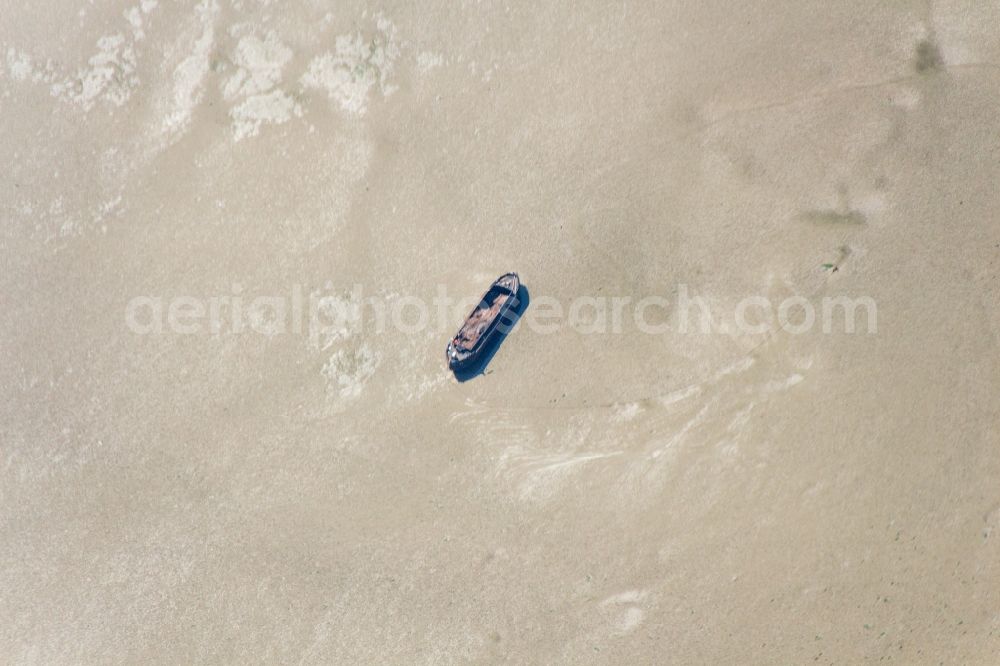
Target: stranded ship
{"points": [[484, 323]]}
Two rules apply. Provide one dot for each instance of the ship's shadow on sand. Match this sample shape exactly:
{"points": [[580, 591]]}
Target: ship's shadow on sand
{"points": [[504, 329]]}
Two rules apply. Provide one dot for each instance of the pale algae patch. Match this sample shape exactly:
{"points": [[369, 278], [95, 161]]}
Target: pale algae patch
{"points": [[427, 60], [260, 63], [624, 611], [136, 17], [275, 107], [20, 67], [357, 65], [189, 75], [348, 370], [111, 73], [339, 316]]}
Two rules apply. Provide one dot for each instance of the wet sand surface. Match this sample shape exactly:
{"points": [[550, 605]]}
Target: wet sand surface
{"points": [[279, 497]]}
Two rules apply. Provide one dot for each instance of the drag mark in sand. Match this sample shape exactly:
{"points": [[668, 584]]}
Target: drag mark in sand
{"points": [[713, 430], [533, 459], [539, 473], [711, 418]]}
